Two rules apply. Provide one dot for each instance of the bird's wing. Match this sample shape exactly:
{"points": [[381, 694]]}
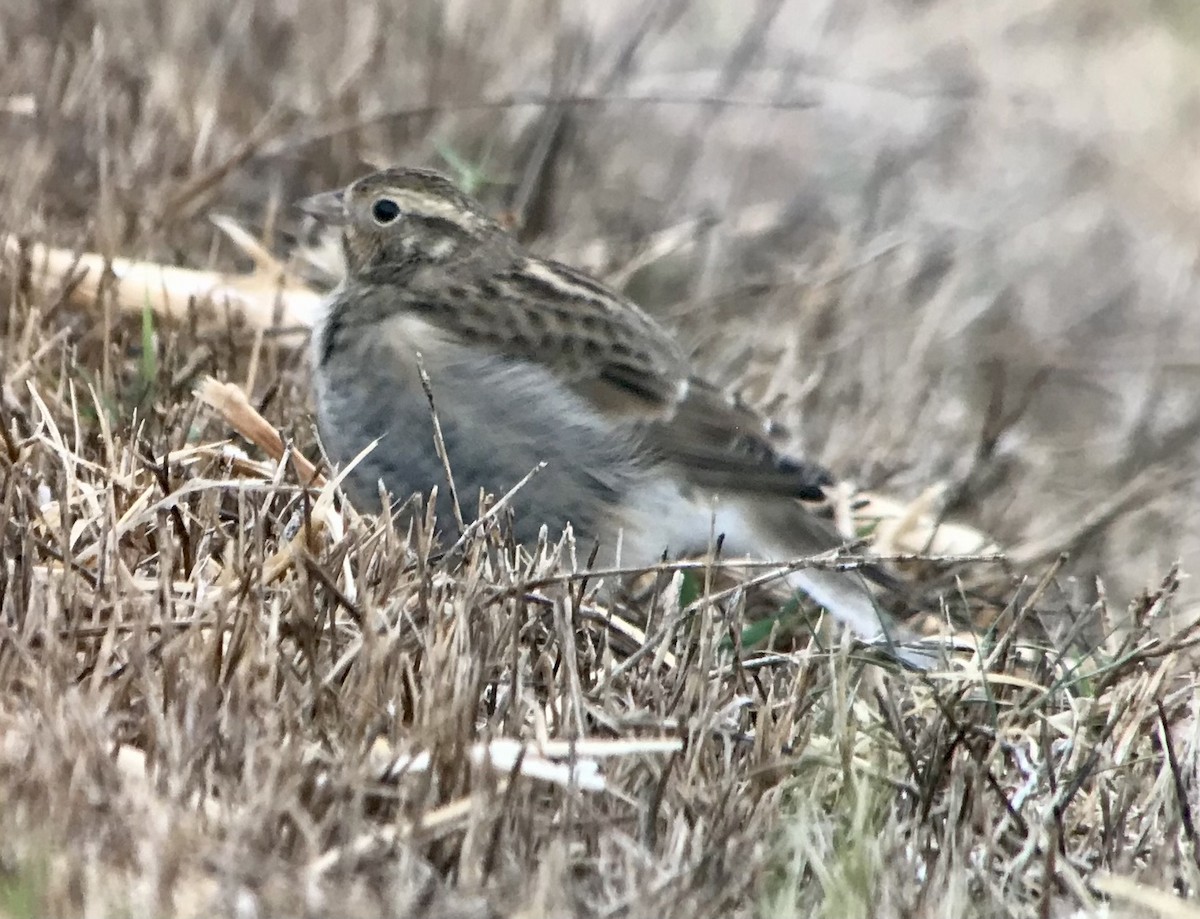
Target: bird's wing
{"points": [[624, 363], [595, 340], [722, 445]]}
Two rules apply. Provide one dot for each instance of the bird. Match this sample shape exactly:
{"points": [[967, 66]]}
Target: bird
{"points": [[534, 365]]}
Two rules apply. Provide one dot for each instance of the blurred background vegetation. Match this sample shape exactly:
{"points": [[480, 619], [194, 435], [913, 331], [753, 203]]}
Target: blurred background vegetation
{"points": [[947, 243]]}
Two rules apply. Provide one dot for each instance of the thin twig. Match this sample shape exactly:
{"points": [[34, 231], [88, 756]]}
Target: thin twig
{"points": [[439, 444]]}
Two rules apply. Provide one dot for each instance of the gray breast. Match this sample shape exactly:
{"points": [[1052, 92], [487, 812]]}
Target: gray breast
{"points": [[499, 419]]}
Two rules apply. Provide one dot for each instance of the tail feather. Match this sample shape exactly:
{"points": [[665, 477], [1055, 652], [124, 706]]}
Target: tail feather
{"points": [[771, 530], [782, 531], [846, 596]]}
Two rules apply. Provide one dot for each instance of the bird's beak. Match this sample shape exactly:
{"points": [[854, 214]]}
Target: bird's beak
{"points": [[328, 207]]}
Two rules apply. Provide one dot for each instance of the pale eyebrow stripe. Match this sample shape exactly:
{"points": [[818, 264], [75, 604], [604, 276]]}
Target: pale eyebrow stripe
{"points": [[432, 206]]}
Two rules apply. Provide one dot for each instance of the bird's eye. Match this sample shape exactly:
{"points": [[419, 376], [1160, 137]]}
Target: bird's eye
{"points": [[385, 210]]}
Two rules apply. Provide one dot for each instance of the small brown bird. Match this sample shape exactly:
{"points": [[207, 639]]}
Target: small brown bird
{"points": [[532, 362]]}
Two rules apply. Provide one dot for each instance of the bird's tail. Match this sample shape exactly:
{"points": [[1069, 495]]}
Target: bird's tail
{"points": [[846, 596], [785, 531]]}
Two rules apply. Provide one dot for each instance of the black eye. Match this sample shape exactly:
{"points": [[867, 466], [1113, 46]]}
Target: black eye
{"points": [[385, 210]]}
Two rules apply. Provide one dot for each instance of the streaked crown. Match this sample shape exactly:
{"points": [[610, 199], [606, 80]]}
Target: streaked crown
{"points": [[396, 215]]}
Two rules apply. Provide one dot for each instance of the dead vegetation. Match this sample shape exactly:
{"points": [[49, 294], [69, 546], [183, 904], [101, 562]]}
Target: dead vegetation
{"points": [[225, 693]]}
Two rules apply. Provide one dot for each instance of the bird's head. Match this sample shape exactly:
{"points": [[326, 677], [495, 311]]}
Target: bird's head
{"points": [[396, 216]]}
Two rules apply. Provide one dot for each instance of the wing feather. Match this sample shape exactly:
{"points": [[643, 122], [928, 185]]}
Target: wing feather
{"points": [[624, 363]]}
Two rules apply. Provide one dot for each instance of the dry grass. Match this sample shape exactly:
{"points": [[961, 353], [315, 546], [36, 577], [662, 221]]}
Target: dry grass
{"points": [[954, 246]]}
